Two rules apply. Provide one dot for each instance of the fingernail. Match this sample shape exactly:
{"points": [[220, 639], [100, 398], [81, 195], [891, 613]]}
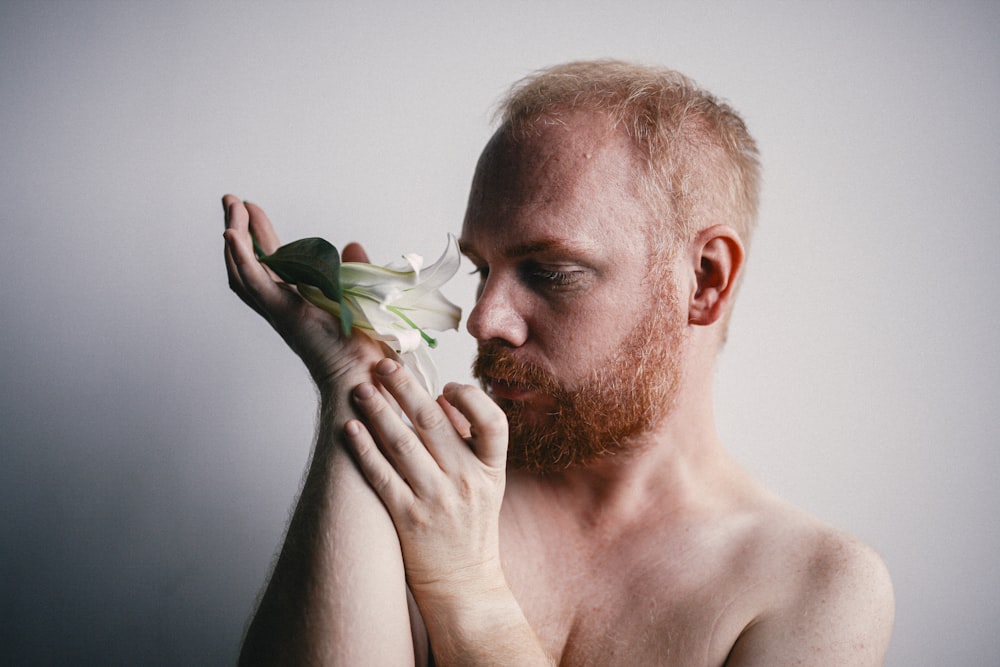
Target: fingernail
{"points": [[352, 428], [364, 391], [386, 367]]}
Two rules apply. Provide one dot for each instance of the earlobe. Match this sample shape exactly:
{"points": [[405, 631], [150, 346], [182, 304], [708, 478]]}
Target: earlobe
{"points": [[718, 260]]}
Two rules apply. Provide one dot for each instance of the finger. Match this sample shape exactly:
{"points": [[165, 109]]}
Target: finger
{"points": [[248, 277], [381, 476], [487, 422], [235, 281], [397, 440], [431, 422], [262, 229], [354, 252], [227, 201], [456, 418]]}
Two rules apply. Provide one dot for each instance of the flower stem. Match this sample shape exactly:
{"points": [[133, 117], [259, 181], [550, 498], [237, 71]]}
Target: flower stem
{"points": [[431, 342]]}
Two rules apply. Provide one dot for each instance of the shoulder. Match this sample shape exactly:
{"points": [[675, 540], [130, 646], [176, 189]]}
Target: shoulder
{"points": [[844, 582], [831, 602]]}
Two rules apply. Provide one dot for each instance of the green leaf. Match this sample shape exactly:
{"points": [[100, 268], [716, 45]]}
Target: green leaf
{"points": [[312, 261], [346, 317]]}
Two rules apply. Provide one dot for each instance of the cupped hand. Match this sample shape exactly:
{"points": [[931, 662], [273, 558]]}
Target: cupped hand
{"points": [[315, 335], [442, 480]]}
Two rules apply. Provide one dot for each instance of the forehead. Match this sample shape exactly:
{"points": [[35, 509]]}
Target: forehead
{"points": [[573, 181]]}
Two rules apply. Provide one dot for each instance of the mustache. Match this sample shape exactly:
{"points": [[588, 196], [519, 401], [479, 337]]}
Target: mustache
{"points": [[494, 362]]}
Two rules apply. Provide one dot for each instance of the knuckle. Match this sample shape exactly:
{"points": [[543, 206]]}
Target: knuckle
{"points": [[465, 392], [397, 380], [379, 480], [496, 414], [494, 427], [402, 380], [373, 405], [404, 445], [418, 516], [370, 459], [466, 488], [428, 417]]}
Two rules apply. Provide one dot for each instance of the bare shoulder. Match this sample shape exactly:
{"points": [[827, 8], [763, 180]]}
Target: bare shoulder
{"points": [[832, 600]]}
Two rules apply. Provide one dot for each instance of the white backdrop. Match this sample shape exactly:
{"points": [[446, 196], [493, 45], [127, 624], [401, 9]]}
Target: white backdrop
{"points": [[154, 431]]}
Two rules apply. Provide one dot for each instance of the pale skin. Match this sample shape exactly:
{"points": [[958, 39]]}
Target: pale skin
{"points": [[669, 554]]}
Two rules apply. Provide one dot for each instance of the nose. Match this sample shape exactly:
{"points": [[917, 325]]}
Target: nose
{"points": [[496, 317]]}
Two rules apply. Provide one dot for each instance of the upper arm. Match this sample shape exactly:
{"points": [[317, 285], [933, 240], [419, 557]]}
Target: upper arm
{"points": [[839, 611]]}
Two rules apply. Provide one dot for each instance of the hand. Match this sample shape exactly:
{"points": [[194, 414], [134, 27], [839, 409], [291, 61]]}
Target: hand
{"points": [[442, 484], [316, 336]]}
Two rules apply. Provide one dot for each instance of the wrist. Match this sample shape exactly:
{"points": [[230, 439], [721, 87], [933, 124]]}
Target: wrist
{"points": [[479, 625], [336, 380], [338, 373], [470, 600], [484, 581]]}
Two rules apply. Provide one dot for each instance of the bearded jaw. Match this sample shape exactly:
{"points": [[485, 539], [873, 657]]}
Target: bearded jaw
{"points": [[627, 394]]}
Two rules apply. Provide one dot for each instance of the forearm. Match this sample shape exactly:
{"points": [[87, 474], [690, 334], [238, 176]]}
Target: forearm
{"points": [[486, 628], [442, 479], [337, 594]]}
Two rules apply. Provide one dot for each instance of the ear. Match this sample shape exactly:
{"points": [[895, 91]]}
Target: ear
{"points": [[717, 256]]}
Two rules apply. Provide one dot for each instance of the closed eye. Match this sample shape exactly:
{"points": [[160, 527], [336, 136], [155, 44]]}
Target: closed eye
{"points": [[557, 278], [554, 279]]}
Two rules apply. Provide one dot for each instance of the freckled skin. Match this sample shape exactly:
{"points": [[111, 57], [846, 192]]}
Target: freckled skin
{"points": [[415, 538], [559, 240], [668, 553], [526, 194]]}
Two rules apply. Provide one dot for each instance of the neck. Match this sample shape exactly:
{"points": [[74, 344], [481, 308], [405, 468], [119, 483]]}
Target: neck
{"points": [[667, 468]]}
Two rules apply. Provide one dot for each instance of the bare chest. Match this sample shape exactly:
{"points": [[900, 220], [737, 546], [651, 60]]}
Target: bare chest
{"points": [[641, 603]]}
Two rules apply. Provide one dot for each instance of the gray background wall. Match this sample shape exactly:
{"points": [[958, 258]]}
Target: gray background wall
{"points": [[154, 431]]}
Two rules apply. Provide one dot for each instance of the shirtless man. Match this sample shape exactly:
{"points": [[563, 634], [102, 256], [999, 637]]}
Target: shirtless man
{"points": [[608, 219]]}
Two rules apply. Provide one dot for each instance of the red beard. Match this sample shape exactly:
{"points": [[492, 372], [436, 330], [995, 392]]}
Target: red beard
{"points": [[627, 393]]}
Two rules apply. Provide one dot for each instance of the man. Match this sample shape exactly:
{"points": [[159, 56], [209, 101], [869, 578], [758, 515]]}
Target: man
{"points": [[608, 219]]}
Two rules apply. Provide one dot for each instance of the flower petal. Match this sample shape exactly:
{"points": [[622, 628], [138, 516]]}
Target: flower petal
{"points": [[357, 274], [441, 271], [422, 366], [395, 304], [433, 311]]}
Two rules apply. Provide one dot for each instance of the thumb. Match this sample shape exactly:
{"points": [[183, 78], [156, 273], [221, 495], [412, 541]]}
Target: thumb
{"points": [[457, 419], [354, 252], [487, 423]]}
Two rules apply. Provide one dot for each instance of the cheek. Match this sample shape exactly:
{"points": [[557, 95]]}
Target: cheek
{"points": [[578, 334], [575, 342], [566, 341]]}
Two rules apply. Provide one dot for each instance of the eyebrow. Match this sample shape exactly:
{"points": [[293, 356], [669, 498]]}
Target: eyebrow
{"points": [[532, 248]]}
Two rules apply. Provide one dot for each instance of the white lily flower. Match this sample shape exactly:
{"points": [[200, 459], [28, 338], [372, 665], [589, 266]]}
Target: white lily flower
{"points": [[397, 304]]}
